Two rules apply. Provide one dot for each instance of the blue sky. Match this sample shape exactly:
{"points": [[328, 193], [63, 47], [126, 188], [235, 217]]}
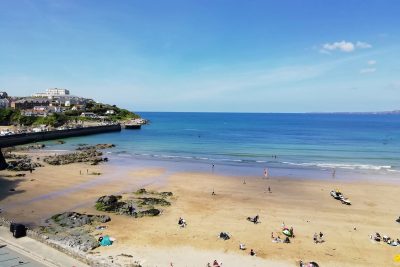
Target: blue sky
{"points": [[210, 55]]}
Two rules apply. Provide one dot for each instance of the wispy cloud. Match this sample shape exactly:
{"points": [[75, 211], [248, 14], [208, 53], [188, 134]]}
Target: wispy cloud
{"points": [[370, 68], [363, 45], [367, 70], [343, 46]]}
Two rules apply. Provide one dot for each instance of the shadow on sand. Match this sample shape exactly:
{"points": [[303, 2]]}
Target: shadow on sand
{"points": [[8, 185]]}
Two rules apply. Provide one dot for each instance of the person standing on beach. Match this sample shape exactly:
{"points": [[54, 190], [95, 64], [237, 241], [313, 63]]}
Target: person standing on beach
{"points": [[266, 173], [333, 173]]}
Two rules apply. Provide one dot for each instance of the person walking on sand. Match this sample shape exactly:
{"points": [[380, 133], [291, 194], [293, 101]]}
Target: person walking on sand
{"points": [[333, 173], [269, 189]]}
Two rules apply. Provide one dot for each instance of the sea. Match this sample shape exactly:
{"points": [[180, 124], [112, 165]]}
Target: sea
{"points": [[325, 146]]}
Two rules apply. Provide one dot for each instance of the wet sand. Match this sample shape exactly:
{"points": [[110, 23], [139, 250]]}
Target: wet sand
{"points": [[303, 204]]}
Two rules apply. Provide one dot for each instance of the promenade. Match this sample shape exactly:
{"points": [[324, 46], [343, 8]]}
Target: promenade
{"points": [[29, 252]]}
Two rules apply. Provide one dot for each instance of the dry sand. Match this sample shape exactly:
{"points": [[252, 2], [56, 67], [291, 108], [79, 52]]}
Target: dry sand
{"points": [[304, 204]]}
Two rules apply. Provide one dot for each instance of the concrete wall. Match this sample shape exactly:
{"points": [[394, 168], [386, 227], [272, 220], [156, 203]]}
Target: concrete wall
{"points": [[25, 138]]}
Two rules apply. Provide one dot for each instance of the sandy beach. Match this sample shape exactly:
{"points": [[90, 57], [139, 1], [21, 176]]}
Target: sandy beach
{"points": [[303, 204]]}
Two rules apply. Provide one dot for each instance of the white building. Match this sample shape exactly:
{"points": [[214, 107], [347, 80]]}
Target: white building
{"points": [[3, 95], [88, 115], [57, 92], [4, 103], [52, 92]]}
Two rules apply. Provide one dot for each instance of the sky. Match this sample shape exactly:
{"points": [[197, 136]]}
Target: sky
{"points": [[206, 55]]}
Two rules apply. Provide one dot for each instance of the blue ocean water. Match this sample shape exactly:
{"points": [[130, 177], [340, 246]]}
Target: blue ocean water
{"points": [[363, 143]]}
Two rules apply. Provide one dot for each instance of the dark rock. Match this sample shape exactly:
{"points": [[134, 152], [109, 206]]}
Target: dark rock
{"points": [[95, 147], [109, 203], [24, 164], [138, 207], [149, 212], [166, 194], [92, 156], [141, 191], [153, 201], [74, 219]]}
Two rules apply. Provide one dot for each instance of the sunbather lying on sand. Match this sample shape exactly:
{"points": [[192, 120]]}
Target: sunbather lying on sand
{"points": [[254, 220]]}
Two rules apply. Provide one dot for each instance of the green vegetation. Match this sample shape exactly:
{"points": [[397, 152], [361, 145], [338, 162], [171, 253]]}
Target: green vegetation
{"points": [[10, 116], [6, 115], [100, 206], [101, 109]]}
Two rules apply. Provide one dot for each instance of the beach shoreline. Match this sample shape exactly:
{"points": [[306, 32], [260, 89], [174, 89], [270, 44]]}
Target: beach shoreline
{"points": [[301, 203]]}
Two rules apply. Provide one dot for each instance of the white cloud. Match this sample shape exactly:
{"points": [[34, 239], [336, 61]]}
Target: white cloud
{"points": [[363, 45], [342, 46], [371, 62], [368, 70]]}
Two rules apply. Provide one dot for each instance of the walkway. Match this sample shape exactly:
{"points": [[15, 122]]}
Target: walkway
{"points": [[31, 253]]}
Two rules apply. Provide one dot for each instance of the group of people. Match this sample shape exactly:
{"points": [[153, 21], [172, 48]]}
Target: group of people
{"points": [[277, 239], [385, 239]]}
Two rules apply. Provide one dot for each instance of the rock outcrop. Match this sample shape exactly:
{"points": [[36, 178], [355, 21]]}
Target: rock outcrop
{"points": [[146, 205], [91, 156], [24, 164], [73, 230], [95, 147], [74, 219]]}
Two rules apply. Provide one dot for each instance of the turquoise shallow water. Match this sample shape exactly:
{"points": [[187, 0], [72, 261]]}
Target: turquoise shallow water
{"points": [[247, 143]]}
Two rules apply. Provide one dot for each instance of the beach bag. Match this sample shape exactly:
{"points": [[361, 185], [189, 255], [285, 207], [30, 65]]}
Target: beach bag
{"points": [[19, 231]]}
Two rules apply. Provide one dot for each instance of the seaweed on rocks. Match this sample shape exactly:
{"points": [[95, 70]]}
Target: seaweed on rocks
{"points": [[90, 156]]}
